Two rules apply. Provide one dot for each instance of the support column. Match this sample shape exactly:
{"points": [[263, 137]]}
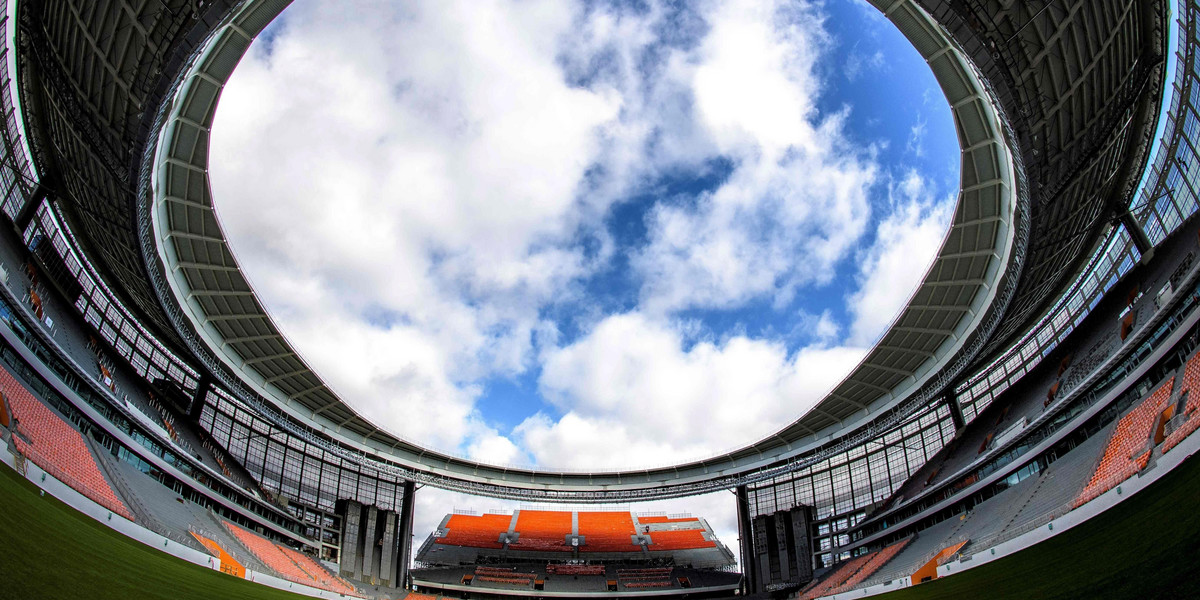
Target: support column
{"points": [[23, 218], [746, 541], [956, 415], [351, 556], [1141, 241], [387, 561], [197, 405], [370, 553], [404, 534]]}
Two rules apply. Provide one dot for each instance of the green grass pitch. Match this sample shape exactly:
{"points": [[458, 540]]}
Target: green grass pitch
{"points": [[49, 550], [1147, 547]]}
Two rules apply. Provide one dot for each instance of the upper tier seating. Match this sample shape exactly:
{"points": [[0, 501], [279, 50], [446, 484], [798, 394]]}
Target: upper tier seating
{"points": [[288, 563], [473, 531], [679, 540], [607, 532], [650, 520], [57, 447], [543, 530], [1129, 448]]}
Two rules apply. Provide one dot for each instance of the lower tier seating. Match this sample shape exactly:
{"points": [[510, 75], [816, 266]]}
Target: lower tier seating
{"points": [[852, 572], [325, 579], [56, 447], [1190, 416], [650, 577], [228, 564], [1129, 447], [289, 563], [555, 569]]}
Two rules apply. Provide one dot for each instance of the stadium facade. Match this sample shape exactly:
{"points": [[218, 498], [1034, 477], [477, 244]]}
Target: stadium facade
{"points": [[1045, 360]]}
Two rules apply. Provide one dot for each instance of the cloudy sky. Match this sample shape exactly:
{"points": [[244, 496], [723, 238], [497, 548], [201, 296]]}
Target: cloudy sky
{"points": [[583, 235]]}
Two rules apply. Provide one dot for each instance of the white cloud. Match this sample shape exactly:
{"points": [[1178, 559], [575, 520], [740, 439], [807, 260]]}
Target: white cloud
{"points": [[916, 138], [858, 63], [400, 182], [410, 187], [907, 241], [634, 396], [797, 199]]}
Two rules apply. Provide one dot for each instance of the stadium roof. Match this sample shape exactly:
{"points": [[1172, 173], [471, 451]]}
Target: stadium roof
{"points": [[1043, 166]]}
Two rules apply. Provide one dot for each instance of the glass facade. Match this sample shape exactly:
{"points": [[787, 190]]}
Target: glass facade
{"points": [[285, 465], [840, 488], [100, 307]]}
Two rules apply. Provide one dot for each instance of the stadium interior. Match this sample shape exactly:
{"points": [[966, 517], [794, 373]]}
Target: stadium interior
{"points": [[1036, 387]]}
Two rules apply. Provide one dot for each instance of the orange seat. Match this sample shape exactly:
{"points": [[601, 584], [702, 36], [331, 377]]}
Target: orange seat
{"points": [[543, 530], [852, 572], [473, 531], [1125, 455], [56, 447], [688, 539], [291, 565], [607, 532]]}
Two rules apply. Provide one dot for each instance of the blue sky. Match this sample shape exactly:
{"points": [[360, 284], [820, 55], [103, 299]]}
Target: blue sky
{"points": [[585, 235]]}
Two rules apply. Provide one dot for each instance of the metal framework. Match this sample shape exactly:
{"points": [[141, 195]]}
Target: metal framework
{"points": [[118, 97], [1165, 199], [910, 362]]}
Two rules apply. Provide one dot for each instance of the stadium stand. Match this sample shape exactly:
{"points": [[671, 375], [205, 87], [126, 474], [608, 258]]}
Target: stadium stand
{"points": [[684, 559], [4, 422], [57, 447], [1027, 505], [1117, 448], [852, 572], [645, 578], [503, 575], [1130, 446], [929, 570], [662, 519], [607, 532], [482, 531], [1187, 419], [228, 564], [557, 569], [679, 540], [543, 530], [290, 565], [325, 580]]}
